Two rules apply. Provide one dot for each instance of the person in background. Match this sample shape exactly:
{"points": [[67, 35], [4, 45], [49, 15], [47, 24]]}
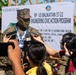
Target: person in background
{"points": [[68, 61], [48, 49], [21, 32], [56, 53], [60, 53], [35, 56]]}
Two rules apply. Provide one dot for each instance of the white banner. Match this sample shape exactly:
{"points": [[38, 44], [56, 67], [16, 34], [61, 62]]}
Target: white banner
{"points": [[52, 20]]}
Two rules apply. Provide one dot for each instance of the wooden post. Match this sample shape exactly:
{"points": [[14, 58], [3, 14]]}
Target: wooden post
{"points": [[30, 1], [9, 2], [36, 1], [16, 1], [60, 0]]}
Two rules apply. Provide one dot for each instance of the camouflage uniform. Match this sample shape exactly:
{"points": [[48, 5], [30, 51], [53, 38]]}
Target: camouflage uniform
{"points": [[63, 66], [4, 62], [5, 66], [1, 35]]}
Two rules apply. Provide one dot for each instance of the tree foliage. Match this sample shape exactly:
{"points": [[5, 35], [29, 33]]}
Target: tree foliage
{"points": [[3, 3], [49, 1], [22, 2]]}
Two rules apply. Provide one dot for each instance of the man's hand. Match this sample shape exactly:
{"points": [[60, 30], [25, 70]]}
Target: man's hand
{"points": [[14, 54], [6, 39], [37, 38]]}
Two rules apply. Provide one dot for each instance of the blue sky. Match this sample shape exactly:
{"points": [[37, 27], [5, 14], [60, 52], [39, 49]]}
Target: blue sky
{"points": [[34, 2]]}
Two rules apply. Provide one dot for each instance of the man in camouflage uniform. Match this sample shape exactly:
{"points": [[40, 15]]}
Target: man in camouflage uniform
{"points": [[23, 36]]}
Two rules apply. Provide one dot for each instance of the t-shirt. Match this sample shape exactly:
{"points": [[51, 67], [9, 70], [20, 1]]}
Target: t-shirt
{"points": [[71, 66], [48, 68]]}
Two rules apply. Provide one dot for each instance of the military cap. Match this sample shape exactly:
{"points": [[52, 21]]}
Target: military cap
{"points": [[23, 13]]}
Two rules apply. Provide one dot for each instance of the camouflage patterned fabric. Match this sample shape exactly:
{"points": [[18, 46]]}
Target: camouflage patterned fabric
{"points": [[63, 67], [23, 16], [1, 35], [24, 13], [5, 66]]}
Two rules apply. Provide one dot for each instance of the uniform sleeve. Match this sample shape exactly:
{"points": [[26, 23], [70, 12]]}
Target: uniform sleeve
{"points": [[63, 65], [71, 73], [8, 30]]}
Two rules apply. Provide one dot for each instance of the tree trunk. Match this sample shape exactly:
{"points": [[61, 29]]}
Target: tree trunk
{"points": [[16, 2], [30, 1], [36, 1], [60, 0], [9, 2]]}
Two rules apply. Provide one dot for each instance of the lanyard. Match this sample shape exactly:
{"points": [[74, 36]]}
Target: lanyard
{"points": [[20, 39], [23, 35]]}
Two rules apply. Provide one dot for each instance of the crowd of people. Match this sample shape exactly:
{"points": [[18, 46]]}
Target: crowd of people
{"points": [[36, 56], [31, 55]]}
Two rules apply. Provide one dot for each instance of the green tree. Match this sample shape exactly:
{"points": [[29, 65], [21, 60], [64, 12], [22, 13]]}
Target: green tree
{"points": [[21, 2], [3, 3], [49, 1]]}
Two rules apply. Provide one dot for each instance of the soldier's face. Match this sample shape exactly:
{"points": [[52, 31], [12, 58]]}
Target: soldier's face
{"points": [[24, 21]]}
